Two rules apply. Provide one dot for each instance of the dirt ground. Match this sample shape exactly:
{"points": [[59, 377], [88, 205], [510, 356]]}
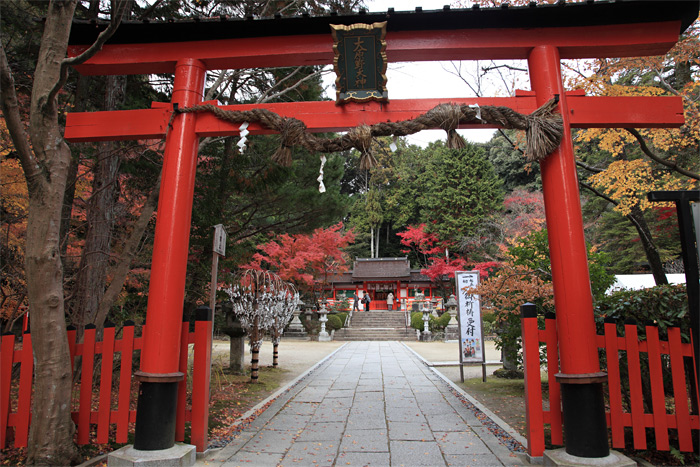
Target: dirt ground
{"points": [[295, 356]]}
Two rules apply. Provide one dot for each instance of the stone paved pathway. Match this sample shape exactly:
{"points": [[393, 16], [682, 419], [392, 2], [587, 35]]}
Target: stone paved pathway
{"points": [[370, 403]]}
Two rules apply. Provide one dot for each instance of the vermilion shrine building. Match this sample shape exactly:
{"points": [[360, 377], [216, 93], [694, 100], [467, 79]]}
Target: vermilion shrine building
{"points": [[379, 277], [542, 35]]}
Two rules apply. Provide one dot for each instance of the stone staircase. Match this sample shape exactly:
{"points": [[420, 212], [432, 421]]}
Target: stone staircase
{"points": [[377, 326]]}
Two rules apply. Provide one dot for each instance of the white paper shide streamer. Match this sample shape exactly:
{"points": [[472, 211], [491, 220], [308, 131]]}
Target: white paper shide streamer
{"points": [[321, 186], [393, 145], [478, 110], [243, 131]]}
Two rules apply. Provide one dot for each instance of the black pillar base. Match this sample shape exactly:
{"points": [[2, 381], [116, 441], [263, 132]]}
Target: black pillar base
{"points": [[155, 416], [585, 428]]}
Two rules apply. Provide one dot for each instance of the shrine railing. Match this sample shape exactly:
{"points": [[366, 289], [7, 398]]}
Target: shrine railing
{"points": [[649, 386], [104, 400]]}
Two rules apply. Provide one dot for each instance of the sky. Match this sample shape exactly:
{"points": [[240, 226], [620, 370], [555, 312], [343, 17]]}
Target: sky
{"points": [[417, 80]]}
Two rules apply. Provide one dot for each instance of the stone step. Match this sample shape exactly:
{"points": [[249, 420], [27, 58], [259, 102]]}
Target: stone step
{"points": [[391, 334]]}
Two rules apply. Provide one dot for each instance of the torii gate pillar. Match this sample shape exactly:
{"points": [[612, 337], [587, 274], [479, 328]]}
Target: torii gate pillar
{"points": [[583, 406], [159, 375]]}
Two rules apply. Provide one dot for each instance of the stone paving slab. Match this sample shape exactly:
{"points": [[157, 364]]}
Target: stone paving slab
{"points": [[371, 403], [375, 440]]}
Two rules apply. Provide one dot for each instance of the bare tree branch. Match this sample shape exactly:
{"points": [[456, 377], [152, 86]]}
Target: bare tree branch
{"points": [[120, 8], [671, 165], [15, 126], [486, 69], [589, 168]]}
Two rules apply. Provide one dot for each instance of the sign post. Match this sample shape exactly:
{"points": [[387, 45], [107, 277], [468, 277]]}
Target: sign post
{"points": [[219, 250], [471, 335]]}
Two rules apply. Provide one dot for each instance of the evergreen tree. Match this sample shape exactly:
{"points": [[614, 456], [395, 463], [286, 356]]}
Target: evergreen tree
{"points": [[510, 163], [461, 189]]}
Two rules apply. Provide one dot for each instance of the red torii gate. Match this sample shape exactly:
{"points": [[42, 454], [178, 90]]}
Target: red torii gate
{"points": [[543, 35]]}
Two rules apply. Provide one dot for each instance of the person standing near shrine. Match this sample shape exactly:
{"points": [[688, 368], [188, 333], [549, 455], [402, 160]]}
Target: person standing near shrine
{"points": [[390, 301], [366, 300], [355, 302]]}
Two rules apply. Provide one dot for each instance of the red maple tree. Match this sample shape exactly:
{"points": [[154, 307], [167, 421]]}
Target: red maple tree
{"points": [[308, 261]]}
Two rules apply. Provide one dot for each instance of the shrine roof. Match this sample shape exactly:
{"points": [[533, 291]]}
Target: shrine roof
{"points": [[381, 268], [562, 14]]}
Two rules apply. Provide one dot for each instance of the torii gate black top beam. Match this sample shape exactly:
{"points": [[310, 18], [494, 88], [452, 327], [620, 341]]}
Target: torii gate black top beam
{"points": [[578, 30]]}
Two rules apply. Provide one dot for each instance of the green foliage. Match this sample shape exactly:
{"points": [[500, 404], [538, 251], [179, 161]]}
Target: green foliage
{"points": [[533, 253], [311, 326], [664, 305], [341, 305], [434, 324], [343, 317], [334, 322], [442, 322], [417, 320], [510, 164], [488, 320], [460, 190]]}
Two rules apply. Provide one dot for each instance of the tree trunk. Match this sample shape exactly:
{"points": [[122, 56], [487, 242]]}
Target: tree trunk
{"points": [[371, 246], [376, 251], [650, 249], [95, 259], [237, 355], [51, 433], [131, 244]]}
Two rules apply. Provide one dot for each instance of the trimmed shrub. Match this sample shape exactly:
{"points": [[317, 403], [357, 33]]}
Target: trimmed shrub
{"points": [[312, 326], [334, 322], [343, 316], [417, 320], [442, 322]]}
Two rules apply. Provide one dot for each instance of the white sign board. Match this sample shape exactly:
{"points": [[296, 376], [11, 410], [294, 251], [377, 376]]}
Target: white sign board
{"points": [[471, 340], [219, 239]]}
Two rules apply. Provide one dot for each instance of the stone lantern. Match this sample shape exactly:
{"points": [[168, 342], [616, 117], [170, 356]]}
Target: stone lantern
{"points": [[452, 329], [296, 328], [427, 335], [323, 336]]}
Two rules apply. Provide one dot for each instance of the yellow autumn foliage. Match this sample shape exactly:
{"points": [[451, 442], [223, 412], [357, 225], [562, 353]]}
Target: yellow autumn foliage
{"points": [[628, 182]]}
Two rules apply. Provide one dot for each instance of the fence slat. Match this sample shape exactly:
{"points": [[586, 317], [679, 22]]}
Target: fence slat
{"points": [[554, 386], [125, 361], [635, 383], [87, 368], [612, 355], [182, 385], [25, 392], [7, 350], [533, 382], [656, 379], [680, 393], [201, 375], [105, 406]]}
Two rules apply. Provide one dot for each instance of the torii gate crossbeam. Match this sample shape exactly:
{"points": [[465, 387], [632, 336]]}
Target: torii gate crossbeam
{"points": [[543, 35]]}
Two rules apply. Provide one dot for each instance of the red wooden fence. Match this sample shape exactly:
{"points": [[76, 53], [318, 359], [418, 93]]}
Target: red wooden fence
{"points": [[109, 406], [672, 351]]}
